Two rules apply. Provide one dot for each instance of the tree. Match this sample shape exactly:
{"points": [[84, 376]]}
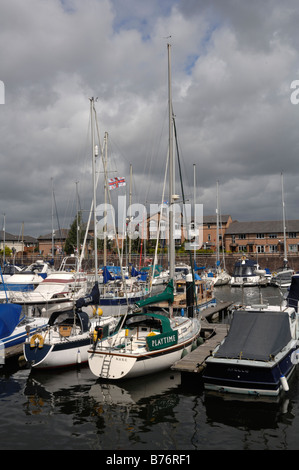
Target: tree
{"points": [[71, 240]]}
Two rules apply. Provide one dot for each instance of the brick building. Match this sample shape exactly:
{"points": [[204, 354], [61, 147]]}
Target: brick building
{"points": [[262, 237]]}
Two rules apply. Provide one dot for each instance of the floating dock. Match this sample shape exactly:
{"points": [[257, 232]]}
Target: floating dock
{"points": [[13, 353], [213, 333], [218, 312]]}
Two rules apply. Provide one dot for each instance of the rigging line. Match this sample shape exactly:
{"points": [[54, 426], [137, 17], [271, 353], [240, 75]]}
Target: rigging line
{"points": [[159, 224], [183, 194], [59, 229]]}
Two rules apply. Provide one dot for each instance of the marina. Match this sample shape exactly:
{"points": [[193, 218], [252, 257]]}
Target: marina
{"points": [[149, 280], [162, 411]]}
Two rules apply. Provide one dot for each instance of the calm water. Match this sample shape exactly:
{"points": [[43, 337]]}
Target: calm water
{"points": [[74, 410]]}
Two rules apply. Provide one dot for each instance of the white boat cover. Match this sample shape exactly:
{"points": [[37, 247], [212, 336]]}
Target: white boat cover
{"points": [[256, 335]]}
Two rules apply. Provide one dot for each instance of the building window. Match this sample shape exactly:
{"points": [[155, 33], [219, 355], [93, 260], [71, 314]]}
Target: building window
{"points": [[272, 235], [260, 235], [242, 248], [293, 248], [273, 249], [242, 236], [260, 249], [292, 234]]}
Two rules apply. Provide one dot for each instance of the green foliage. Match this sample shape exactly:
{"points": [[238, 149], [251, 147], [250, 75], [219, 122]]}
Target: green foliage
{"points": [[70, 245], [8, 251]]}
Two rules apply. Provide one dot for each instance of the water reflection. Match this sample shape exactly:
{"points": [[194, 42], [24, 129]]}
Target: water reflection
{"points": [[250, 295], [71, 409]]}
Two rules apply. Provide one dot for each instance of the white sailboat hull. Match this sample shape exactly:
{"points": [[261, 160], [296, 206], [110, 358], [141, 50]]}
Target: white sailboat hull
{"points": [[122, 366], [123, 362]]}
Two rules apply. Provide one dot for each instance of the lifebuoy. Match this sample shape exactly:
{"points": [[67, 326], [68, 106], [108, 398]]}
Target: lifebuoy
{"points": [[40, 341], [97, 311]]}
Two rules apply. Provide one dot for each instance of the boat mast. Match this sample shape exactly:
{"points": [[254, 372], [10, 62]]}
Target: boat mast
{"points": [[194, 202], [94, 155], [52, 218], [4, 241], [171, 173], [217, 230], [105, 195], [77, 218], [285, 260], [130, 205]]}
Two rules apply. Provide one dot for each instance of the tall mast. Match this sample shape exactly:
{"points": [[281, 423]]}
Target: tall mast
{"points": [[194, 202], [94, 155], [285, 260], [4, 240], [171, 173], [105, 185], [217, 230], [77, 231], [130, 205], [52, 218]]}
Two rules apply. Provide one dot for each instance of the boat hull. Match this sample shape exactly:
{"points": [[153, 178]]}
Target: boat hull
{"points": [[64, 354], [248, 281], [251, 378], [114, 366], [52, 349]]}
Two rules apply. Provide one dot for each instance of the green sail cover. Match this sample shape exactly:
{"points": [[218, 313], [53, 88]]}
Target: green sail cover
{"points": [[166, 295]]}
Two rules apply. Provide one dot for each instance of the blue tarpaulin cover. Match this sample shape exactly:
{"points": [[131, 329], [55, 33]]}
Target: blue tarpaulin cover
{"points": [[9, 318]]}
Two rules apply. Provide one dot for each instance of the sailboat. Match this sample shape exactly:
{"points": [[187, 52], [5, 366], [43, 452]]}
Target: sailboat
{"points": [[66, 339], [221, 277], [145, 342], [14, 325], [283, 276]]}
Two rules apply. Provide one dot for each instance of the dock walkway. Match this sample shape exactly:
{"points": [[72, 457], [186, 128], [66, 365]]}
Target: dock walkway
{"points": [[194, 362]]}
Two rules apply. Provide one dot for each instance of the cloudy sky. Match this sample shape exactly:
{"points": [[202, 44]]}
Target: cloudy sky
{"points": [[233, 63]]}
